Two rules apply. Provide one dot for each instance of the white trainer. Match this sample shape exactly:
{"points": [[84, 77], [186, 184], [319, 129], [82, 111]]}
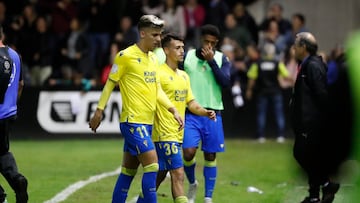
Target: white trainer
{"points": [[280, 139], [261, 139], [192, 192], [208, 200]]}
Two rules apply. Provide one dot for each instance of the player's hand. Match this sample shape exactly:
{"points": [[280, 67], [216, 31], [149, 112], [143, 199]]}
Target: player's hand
{"points": [[211, 114], [179, 120], [177, 117], [207, 53], [95, 120]]}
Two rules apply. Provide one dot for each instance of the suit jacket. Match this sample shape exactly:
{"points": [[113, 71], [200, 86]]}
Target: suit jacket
{"points": [[308, 104]]}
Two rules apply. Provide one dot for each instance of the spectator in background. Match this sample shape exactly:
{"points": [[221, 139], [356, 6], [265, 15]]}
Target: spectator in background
{"points": [[114, 49], [238, 33], [216, 11], [42, 45], [292, 66], [334, 63], [194, 19], [126, 34], [244, 18], [228, 48], [172, 12], [264, 84], [273, 35], [298, 25], [102, 24], [275, 12], [61, 13], [75, 51]]}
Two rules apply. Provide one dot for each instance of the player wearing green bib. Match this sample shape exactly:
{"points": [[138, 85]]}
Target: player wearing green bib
{"points": [[209, 72]]}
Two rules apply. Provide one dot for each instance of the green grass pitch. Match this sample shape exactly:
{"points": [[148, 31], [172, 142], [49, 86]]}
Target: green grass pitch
{"points": [[51, 166]]}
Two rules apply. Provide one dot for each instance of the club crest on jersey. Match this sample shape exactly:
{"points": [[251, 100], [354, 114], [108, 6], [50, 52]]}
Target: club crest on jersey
{"points": [[7, 67], [114, 68], [145, 143], [171, 78], [139, 60]]}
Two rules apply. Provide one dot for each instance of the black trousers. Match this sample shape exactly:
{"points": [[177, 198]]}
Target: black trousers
{"points": [[8, 167], [311, 154], [5, 128]]}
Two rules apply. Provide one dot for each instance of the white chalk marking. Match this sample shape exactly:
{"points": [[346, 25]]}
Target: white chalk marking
{"points": [[63, 195]]}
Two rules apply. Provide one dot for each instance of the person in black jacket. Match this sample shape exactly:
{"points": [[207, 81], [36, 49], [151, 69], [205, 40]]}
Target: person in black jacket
{"points": [[308, 109]]}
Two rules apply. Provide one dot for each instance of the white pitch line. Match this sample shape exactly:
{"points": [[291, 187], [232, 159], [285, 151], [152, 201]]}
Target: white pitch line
{"points": [[63, 195]]}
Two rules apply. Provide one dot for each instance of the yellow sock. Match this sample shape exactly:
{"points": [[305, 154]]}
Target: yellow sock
{"points": [[181, 199]]}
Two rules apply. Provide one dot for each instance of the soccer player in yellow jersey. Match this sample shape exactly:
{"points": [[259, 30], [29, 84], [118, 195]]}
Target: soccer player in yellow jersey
{"points": [[134, 70], [166, 136]]}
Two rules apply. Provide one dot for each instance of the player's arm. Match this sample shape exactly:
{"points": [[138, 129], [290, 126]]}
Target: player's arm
{"points": [[97, 117], [117, 71], [163, 100], [197, 109], [222, 75]]}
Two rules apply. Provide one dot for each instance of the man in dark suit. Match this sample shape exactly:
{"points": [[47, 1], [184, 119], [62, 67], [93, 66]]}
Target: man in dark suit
{"points": [[308, 113]]}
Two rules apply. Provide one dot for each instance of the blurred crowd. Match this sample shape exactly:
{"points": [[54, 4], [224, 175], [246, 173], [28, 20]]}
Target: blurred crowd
{"points": [[65, 43]]}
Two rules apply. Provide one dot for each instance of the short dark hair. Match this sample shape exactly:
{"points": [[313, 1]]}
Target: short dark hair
{"points": [[165, 41], [210, 30], [150, 21], [300, 16], [310, 47]]}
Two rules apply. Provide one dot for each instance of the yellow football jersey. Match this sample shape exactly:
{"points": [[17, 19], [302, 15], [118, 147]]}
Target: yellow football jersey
{"points": [[135, 71], [176, 86]]}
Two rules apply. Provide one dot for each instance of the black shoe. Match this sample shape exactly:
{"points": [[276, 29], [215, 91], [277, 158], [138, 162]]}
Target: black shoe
{"points": [[21, 189], [311, 200], [329, 192]]}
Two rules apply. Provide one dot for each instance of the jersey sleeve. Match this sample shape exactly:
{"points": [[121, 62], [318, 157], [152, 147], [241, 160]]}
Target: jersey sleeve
{"points": [[253, 71], [118, 68], [283, 71]]}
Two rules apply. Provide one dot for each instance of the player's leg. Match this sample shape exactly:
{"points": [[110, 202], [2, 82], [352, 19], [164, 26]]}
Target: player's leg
{"points": [[170, 159], [212, 142], [8, 167], [144, 149], [137, 146], [177, 185], [128, 171], [161, 175], [191, 141], [150, 164]]}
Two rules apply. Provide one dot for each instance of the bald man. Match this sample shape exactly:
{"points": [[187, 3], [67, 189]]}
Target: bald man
{"points": [[308, 113]]}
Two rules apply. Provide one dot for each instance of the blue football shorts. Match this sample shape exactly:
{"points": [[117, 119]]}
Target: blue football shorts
{"points": [[137, 137], [209, 132], [169, 155]]}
